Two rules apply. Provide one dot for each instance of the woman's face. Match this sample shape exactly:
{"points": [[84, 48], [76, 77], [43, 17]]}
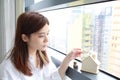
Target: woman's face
{"points": [[39, 40]]}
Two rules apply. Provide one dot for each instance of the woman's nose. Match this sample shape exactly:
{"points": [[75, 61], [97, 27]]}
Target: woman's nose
{"points": [[46, 38]]}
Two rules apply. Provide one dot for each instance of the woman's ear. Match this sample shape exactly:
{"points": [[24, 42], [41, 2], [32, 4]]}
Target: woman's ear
{"points": [[24, 38]]}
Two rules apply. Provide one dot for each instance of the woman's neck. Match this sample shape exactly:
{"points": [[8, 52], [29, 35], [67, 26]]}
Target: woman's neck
{"points": [[33, 55]]}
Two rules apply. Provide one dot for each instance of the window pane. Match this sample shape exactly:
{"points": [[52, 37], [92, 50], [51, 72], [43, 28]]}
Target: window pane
{"points": [[90, 27]]}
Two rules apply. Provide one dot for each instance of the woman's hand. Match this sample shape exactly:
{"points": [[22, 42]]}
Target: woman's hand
{"points": [[70, 56], [73, 54]]}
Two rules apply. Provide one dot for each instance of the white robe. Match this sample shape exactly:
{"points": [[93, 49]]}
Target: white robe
{"points": [[9, 72]]}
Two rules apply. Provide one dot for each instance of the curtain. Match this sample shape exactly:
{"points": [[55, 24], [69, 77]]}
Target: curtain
{"points": [[9, 11]]}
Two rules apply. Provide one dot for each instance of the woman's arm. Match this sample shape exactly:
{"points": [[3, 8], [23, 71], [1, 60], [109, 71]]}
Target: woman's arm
{"points": [[64, 65]]}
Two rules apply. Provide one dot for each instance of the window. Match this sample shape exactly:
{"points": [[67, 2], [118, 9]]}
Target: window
{"points": [[71, 28], [36, 1]]}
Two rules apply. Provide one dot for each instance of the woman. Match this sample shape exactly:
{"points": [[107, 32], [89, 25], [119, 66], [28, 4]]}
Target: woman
{"points": [[28, 59]]}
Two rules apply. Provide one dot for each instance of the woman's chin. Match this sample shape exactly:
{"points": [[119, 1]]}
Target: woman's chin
{"points": [[44, 49]]}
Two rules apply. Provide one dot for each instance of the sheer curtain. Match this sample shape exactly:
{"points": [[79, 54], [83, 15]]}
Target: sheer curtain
{"points": [[9, 11]]}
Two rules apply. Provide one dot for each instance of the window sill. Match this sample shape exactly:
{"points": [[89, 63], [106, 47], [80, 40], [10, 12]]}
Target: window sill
{"points": [[77, 74]]}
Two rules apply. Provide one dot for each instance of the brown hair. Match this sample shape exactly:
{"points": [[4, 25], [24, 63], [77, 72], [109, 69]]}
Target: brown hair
{"points": [[27, 23]]}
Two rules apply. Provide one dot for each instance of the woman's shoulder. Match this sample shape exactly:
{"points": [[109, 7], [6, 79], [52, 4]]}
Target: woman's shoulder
{"points": [[7, 70], [6, 64]]}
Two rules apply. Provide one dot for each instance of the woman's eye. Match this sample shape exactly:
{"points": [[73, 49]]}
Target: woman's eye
{"points": [[44, 35], [41, 36]]}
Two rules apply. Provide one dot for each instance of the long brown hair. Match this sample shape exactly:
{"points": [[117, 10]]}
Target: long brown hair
{"points": [[27, 23]]}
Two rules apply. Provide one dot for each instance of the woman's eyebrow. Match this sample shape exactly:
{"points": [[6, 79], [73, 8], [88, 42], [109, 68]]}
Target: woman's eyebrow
{"points": [[43, 32]]}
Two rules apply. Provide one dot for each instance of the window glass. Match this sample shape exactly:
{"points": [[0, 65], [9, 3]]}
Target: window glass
{"points": [[36, 1], [93, 27]]}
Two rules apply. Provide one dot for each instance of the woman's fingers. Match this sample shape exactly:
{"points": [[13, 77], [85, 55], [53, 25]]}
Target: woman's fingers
{"points": [[76, 52]]}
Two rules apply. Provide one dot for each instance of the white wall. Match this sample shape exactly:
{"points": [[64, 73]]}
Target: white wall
{"points": [[9, 11]]}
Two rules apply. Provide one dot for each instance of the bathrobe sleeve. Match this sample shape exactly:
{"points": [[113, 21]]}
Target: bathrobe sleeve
{"points": [[50, 71]]}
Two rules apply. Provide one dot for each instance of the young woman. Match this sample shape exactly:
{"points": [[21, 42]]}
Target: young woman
{"points": [[28, 59]]}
